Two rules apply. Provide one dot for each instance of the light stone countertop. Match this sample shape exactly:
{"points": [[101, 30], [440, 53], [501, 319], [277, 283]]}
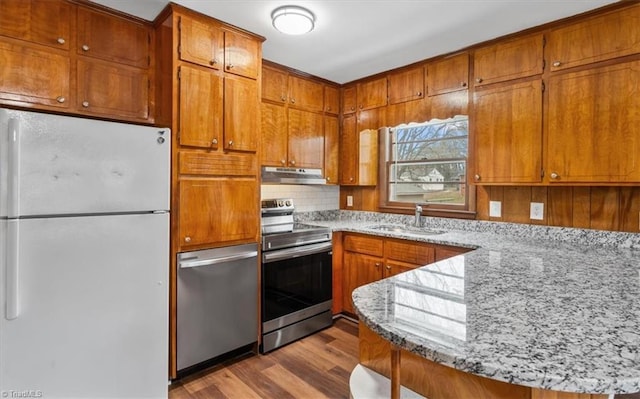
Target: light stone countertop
{"points": [[544, 307]]}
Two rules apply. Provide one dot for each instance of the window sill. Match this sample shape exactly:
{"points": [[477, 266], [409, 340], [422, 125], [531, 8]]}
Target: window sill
{"points": [[443, 213]]}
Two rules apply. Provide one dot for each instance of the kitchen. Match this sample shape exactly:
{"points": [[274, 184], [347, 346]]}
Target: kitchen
{"points": [[217, 158]]}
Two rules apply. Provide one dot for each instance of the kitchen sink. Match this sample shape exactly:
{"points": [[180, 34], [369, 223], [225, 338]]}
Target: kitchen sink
{"points": [[394, 228]]}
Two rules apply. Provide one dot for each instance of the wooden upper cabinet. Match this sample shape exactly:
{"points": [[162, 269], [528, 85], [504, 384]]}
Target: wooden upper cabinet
{"points": [[112, 38], [33, 75], [274, 85], [358, 154], [273, 135], [200, 108], [331, 149], [242, 55], [448, 74], [372, 94], [507, 123], [305, 94], [599, 38], [509, 60], [201, 43], [208, 213], [331, 99], [306, 139], [38, 21], [593, 132], [349, 99], [241, 114], [406, 85], [112, 90]]}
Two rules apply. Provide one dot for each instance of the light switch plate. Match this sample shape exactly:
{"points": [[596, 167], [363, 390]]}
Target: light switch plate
{"points": [[349, 200], [537, 211], [495, 209]]}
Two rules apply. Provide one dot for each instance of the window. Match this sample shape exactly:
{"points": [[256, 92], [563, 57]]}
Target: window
{"points": [[427, 163]]}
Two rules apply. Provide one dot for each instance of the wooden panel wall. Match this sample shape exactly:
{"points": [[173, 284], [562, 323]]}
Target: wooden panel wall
{"points": [[601, 208]]}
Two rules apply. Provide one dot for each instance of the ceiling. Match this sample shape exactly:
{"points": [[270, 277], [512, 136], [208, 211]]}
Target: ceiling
{"points": [[357, 38]]}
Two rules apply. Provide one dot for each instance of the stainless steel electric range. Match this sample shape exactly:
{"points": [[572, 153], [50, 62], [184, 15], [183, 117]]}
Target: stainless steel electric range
{"points": [[296, 276]]}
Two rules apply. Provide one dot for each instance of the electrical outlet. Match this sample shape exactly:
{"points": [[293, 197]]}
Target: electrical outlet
{"points": [[537, 211], [349, 200], [495, 209]]}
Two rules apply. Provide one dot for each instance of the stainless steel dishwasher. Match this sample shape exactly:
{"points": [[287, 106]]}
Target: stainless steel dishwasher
{"points": [[217, 303]]}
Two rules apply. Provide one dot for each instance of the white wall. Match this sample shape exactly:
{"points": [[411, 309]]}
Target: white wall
{"points": [[305, 198]]}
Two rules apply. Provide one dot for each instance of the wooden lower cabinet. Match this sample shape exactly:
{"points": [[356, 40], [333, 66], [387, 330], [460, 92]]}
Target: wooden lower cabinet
{"points": [[215, 211], [366, 259]]}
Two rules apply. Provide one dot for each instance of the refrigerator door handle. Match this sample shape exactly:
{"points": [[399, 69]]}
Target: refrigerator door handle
{"points": [[12, 297], [13, 169]]}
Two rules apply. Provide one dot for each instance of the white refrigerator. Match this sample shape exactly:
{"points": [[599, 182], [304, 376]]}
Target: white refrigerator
{"points": [[84, 256]]}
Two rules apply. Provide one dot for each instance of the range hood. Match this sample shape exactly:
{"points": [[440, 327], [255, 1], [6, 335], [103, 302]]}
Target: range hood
{"points": [[274, 175]]}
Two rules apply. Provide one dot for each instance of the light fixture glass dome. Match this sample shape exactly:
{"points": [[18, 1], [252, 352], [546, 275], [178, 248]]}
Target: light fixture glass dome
{"points": [[293, 20]]}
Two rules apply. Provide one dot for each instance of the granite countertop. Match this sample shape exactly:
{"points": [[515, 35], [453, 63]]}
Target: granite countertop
{"points": [[548, 308]]}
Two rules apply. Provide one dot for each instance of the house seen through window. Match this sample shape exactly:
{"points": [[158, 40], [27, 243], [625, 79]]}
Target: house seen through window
{"points": [[427, 163]]}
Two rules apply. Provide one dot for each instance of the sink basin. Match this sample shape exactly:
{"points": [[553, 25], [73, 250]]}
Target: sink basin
{"points": [[394, 228]]}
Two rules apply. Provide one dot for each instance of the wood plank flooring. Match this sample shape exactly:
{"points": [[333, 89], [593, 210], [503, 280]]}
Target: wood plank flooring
{"points": [[315, 367]]}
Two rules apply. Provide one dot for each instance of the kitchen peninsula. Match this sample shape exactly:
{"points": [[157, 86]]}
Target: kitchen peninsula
{"points": [[530, 312]]}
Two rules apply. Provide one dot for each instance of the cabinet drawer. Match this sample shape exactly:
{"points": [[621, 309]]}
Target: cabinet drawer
{"points": [[419, 254], [364, 245], [217, 164]]}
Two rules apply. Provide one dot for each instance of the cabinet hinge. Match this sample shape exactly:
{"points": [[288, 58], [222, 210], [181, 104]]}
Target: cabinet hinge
{"points": [[543, 86], [179, 70], [544, 64], [179, 49], [542, 173]]}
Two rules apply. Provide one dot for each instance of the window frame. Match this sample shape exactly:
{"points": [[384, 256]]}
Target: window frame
{"points": [[466, 211]]}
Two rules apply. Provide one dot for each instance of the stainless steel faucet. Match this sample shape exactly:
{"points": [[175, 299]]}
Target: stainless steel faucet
{"points": [[418, 221]]}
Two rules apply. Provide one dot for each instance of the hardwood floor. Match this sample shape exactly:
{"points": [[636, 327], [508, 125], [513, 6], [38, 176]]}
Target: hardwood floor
{"points": [[317, 367]]}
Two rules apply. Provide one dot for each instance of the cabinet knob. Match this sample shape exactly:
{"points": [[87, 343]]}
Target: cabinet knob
{"points": [[378, 264], [213, 62], [388, 267], [214, 141], [293, 101], [85, 47], [557, 63], [353, 108], [328, 108], [478, 80], [351, 179], [419, 94], [477, 177], [463, 84], [361, 106], [85, 104], [230, 66], [187, 239], [283, 98], [282, 161], [292, 162], [61, 40], [60, 99], [328, 178], [230, 143], [554, 175]]}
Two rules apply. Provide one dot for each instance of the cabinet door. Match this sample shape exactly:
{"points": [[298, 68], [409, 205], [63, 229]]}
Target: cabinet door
{"points": [[406, 85], [33, 75], [603, 37], [201, 43], [273, 135], [306, 139], [217, 210], [241, 54], [331, 100], [594, 125], [359, 270], [113, 38], [349, 99], [305, 94], [38, 21], [274, 85], [509, 60], [447, 75], [349, 152], [508, 133], [241, 114], [372, 94], [200, 108], [113, 90], [331, 149]]}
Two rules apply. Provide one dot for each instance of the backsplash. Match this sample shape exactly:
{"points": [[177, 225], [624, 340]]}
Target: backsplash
{"points": [[306, 198]]}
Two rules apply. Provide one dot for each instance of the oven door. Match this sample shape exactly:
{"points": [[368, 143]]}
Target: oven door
{"points": [[296, 284]]}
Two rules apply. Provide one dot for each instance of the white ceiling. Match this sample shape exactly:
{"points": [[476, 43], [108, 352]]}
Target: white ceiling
{"points": [[358, 38]]}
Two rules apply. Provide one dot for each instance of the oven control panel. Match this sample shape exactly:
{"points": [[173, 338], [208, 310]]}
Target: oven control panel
{"points": [[282, 204]]}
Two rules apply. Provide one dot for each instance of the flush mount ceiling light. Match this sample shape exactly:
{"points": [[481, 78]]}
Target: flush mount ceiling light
{"points": [[293, 20]]}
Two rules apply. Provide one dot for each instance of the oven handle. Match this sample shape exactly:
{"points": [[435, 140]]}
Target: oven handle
{"points": [[296, 252]]}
